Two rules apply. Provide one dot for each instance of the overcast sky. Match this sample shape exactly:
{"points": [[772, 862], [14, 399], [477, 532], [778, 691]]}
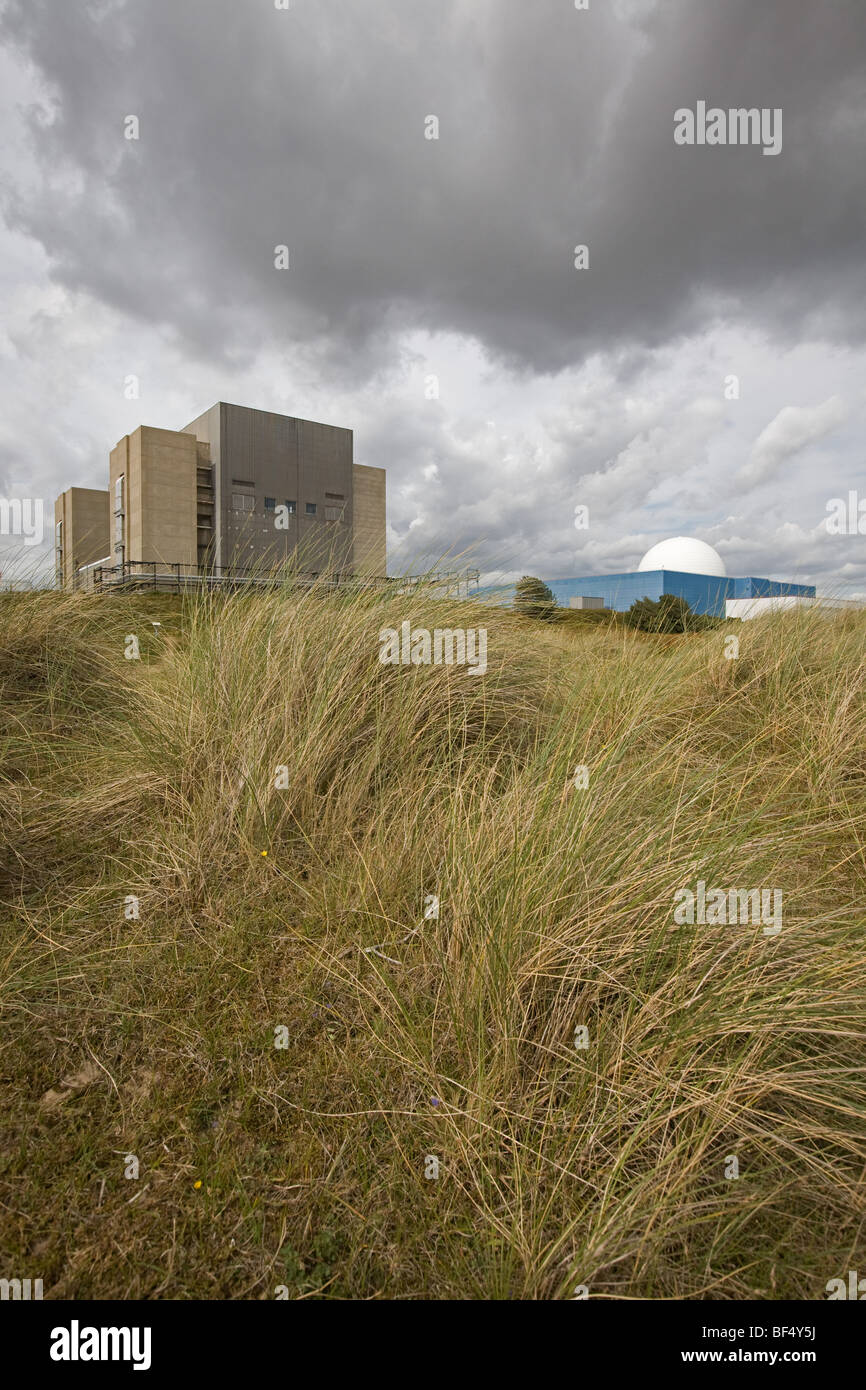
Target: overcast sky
{"points": [[453, 258]]}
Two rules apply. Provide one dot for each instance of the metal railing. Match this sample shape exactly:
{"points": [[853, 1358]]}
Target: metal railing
{"points": [[177, 578]]}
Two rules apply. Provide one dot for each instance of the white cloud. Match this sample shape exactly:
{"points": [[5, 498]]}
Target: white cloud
{"points": [[793, 429]]}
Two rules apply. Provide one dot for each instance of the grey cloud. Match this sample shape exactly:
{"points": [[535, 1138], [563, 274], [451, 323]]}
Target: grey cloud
{"points": [[305, 127]]}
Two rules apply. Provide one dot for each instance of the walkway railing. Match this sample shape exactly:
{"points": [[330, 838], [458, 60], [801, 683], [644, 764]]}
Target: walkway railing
{"points": [[177, 578]]}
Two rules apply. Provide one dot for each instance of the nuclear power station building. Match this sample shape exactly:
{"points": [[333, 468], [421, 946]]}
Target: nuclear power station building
{"points": [[236, 493], [692, 570]]}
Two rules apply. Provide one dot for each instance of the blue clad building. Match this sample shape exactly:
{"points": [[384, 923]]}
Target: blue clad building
{"points": [[704, 593], [684, 566]]}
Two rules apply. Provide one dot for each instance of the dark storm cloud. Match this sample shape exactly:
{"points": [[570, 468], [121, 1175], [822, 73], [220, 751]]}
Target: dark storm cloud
{"points": [[306, 127]]}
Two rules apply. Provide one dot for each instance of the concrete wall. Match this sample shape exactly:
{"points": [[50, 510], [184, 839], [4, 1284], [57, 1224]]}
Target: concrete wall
{"points": [[118, 465], [168, 496], [259, 455], [746, 608], [84, 514], [369, 549], [206, 430], [159, 468]]}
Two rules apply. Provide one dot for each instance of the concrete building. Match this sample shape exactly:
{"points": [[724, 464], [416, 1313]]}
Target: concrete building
{"points": [[81, 531], [152, 492], [238, 490], [746, 608], [368, 530]]}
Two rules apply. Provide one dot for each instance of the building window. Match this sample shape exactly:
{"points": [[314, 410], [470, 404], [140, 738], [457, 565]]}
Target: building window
{"points": [[311, 509], [333, 513], [240, 482], [118, 520], [270, 504], [243, 502], [291, 507], [58, 548]]}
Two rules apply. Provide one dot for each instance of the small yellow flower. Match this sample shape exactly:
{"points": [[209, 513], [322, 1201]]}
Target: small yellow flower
{"points": [[264, 854], [197, 1184]]}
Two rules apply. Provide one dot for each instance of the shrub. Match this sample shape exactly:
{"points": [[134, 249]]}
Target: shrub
{"points": [[670, 613], [533, 598]]}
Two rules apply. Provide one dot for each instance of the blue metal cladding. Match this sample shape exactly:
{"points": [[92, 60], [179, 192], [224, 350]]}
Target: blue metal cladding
{"points": [[750, 587], [704, 593]]}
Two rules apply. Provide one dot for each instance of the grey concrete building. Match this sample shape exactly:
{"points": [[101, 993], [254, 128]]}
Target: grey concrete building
{"points": [[280, 485], [243, 489]]}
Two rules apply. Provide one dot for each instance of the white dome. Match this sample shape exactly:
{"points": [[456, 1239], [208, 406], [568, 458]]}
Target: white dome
{"points": [[686, 554]]}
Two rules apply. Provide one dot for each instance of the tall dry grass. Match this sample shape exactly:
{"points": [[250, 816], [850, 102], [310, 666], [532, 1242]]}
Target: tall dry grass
{"points": [[451, 1036]]}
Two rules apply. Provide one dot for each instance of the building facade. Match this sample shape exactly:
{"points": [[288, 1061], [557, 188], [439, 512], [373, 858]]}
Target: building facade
{"points": [[81, 525], [704, 593], [237, 490]]}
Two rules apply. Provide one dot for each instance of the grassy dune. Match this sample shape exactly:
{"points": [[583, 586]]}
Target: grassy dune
{"points": [[303, 1166]]}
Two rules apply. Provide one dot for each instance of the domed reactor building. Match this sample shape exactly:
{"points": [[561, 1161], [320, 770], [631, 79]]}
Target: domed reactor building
{"points": [[689, 568]]}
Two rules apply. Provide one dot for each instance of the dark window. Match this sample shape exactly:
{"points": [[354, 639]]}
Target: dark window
{"points": [[292, 507], [311, 509], [335, 497], [270, 504], [239, 482]]}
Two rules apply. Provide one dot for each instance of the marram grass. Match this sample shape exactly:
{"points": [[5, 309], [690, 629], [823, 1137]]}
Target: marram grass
{"points": [[297, 914]]}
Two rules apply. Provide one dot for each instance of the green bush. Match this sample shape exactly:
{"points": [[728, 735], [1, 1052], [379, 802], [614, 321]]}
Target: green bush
{"points": [[670, 613], [533, 598]]}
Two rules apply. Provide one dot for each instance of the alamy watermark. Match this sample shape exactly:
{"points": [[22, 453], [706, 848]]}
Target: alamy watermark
{"points": [[23, 516], [418, 647], [856, 1287], [737, 126], [720, 907], [846, 518], [20, 1290], [77, 1343]]}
